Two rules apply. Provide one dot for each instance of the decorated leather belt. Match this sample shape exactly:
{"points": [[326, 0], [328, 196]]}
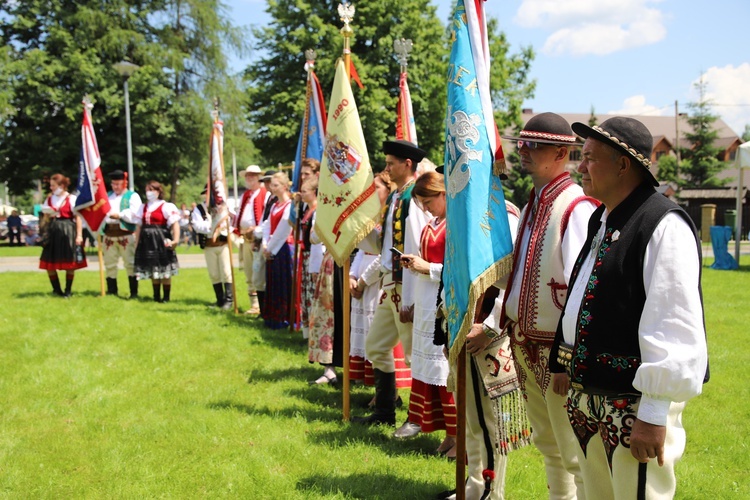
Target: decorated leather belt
{"points": [[606, 393], [221, 240], [565, 355], [114, 231]]}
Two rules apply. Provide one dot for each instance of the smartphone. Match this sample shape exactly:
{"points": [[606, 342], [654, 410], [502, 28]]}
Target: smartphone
{"points": [[396, 252]]}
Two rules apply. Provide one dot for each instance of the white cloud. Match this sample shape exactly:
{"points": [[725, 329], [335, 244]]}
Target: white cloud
{"points": [[636, 106], [580, 27], [727, 88]]}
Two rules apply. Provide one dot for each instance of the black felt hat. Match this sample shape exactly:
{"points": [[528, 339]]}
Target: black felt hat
{"points": [[627, 135], [547, 128], [267, 176], [116, 175], [404, 149]]}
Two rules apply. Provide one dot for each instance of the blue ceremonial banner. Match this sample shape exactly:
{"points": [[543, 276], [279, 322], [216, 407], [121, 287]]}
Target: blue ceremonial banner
{"points": [[478, 241], [315, 116]]}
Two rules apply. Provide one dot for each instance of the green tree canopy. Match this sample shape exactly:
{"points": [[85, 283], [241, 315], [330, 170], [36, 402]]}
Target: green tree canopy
{"points": [[700, 162], [60, 51], [276, 80]]}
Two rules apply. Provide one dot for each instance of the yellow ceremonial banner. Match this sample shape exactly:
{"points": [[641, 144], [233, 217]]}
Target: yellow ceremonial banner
{"points": [[348, 207]]}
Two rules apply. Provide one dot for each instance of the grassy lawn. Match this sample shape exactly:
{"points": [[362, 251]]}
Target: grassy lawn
{"points": [[109, 398]]}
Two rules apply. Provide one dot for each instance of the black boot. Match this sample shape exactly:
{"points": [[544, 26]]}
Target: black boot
{"points": [[111, 286], [167, 291], [228, 297], [133, 281], [384, 411], [68, 285], [219, 292], [55, 281], [157, 292], [261, 302]]}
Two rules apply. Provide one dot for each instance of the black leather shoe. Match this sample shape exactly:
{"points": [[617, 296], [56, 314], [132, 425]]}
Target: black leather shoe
{"points": [[375, 420]]}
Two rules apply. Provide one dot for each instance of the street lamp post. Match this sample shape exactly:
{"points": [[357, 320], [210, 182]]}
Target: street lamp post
{"points": [[125, 69]]}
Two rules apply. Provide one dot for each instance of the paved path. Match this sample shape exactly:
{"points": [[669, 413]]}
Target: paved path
{"points": [[32, 263]]}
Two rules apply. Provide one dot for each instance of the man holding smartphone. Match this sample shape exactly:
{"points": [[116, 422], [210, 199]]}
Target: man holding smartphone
{"points": [[402, 224]]}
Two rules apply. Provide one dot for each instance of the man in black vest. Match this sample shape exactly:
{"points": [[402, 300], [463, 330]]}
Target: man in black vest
{"points": [[630, 348]]}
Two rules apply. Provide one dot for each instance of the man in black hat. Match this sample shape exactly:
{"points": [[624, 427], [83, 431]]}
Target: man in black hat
{"points": [[631, 347], [550, 235], [119, 232], [402, 225]]}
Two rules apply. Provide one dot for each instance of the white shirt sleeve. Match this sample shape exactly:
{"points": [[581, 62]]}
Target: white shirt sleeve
{"points": [[575, 235], [283, 230], [371, 274], [354, 270], [171, 213], [415, 222], [436, 270], [201, 226], [129, 215], [671, 332]]}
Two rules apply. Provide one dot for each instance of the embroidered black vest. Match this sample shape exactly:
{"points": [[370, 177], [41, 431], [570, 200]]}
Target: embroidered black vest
{"points": [[606, 354], [398, 226]]}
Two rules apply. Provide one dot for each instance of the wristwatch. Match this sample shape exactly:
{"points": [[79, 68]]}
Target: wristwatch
{"points": [[489, 332]]}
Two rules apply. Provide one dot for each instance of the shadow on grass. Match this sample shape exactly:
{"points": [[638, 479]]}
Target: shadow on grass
{"points": [[369, 486], [50, 295], [309, 414], [422, 445]]}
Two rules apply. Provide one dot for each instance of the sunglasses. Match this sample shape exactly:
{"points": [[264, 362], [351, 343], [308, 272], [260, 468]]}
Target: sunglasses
{"points": [[532, 144]]}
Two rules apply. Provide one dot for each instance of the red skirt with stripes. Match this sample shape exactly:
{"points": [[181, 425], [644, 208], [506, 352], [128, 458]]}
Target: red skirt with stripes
{"points": [[432, 408]]}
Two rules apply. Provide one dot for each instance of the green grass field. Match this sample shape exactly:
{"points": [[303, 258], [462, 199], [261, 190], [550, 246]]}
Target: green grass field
{"points": [[109, 398]]}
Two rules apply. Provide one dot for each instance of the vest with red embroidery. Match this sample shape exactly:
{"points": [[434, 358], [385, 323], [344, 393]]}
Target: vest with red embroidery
{"points": [[155, 217], [65, 211], [543, 287], [258, 205], [432, 243], [277, 213]]}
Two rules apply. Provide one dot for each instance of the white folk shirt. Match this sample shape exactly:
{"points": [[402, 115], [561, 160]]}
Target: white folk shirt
{"points": [[248, 216], [415, 222], [671, 334], [129, 214]]}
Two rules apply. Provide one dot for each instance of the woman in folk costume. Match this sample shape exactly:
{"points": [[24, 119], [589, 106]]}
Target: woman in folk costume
{"points": [[277, 248], [431, 405], [311, 254], [157, 235], [364, 284], [63, 248]]}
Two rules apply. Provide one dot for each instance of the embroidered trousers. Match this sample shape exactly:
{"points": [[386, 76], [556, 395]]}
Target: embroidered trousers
{"points": [[481, 444], [551, 432], [610, 471], [386, 330], [115, 248]]}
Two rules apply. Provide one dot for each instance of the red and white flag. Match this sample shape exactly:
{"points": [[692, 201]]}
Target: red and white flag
{"points": [[405, 127], [91, 203]]}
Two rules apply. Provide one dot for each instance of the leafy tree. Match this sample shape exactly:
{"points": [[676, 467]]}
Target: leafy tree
{"points": [[746, 133], [62, 50], [667, 170], [700, 162], [276, 80]]}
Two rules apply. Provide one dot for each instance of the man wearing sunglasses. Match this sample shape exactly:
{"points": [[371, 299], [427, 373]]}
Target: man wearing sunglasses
{"points": [[551, 233]]}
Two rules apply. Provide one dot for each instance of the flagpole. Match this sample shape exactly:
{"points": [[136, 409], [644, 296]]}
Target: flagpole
{"points": [[346, 13], [101, 262]]}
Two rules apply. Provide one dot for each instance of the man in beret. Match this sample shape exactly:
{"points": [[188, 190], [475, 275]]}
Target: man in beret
{"points": [[630, 349], [402, 224], [550, 235], [250, 216], [119, 232]]}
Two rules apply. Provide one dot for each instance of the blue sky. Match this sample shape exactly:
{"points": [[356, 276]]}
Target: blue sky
{"points": [[619, 56]]}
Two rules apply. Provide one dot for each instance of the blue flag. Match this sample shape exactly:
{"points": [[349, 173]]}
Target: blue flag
{"points": [[314, 134], [478, 240]]}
